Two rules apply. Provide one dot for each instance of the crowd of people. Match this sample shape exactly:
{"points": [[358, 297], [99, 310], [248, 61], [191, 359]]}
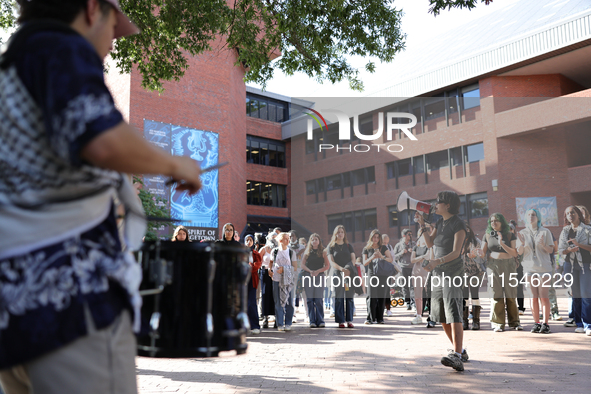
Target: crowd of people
{"points": [[288, 271]]}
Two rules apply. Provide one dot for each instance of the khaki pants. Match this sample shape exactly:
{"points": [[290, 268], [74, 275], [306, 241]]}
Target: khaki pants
{"points": [[102, 362], [504, 295]]}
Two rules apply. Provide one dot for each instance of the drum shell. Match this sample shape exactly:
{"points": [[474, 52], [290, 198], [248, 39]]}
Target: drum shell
{"points": [[183, 303]]}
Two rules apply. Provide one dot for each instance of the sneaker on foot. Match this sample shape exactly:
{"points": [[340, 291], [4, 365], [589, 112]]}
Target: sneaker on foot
{"points": [[287, 328], [536, 328], [255, 331], [381, 322], [294, 319], [518, 328], [579, 330], [312, 325], [497, 329], [322, 325], [389, 313], [556, 316], [588, 333], [367, 322], [570, 323], [430, 324], [332, 314], [453, 360], [465, 356], [545, 329], [521, 312], [417, 320], [280, 328]]}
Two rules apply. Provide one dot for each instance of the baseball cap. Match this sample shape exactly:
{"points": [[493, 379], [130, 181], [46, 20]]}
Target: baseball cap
{"points": [[125, 27]]}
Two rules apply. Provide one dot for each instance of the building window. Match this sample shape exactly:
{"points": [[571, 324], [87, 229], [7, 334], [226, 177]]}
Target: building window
{"points": [[471, 96], [333, 221], [437, 160], [475, 152], [371, 219], [333, 182], [435, 107], [404, 167], [359, 177], [456, 156], [267, 194], [419, 165], [452, 101], [391, 168], [311, 187], [399, 219], [478, 205], [265, 108], [265, 151]]}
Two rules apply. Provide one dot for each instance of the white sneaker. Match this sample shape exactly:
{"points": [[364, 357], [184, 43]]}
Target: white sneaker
{"points": [[294, 319], [332, 314], [255, 331], [297, 310], [579, 330], [389, 313], [588, 333], [287, 328], [280, 328], [417, 320]]}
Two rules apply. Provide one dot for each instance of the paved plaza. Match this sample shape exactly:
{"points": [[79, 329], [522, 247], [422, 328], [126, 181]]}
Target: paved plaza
{"points": [[395, 357]]}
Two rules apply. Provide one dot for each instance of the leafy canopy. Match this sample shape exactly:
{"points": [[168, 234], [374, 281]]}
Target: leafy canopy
{"points": [[315, 37]]}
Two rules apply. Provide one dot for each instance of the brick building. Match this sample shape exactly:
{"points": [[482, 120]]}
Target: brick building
{"points": [[503, 113], [501, 116]]}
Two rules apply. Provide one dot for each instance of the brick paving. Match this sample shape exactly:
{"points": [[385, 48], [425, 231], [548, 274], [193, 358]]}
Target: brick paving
{"points": [[395, 357]]}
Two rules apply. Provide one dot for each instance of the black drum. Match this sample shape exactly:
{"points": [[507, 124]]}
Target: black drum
{"points": [[194, 299]]}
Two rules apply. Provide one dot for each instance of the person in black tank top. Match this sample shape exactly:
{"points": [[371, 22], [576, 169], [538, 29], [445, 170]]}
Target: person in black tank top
{"points": [[315, 264], [342, 258]]}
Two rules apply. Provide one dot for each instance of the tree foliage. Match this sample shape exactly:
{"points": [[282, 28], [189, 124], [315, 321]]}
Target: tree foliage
{"points": [[315, 37]]}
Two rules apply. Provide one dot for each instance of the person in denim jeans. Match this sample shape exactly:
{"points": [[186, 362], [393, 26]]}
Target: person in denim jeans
{"points": [[282, 267], [574, 242], [315, 264], [342, 257]]}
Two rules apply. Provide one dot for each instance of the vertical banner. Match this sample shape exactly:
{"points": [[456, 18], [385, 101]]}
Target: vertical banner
{"points": [[546, 206], [199, 213]]}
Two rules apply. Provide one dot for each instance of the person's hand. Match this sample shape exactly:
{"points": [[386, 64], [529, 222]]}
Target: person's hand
{"points": [[429, 267], [187, 174], [420, 218], [346, 272], [540, 239], [279, 270], [574, 242], [314, 273], [378, 255]]}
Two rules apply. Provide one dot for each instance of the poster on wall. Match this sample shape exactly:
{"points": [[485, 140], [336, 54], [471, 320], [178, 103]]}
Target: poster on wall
{"points": [[546, 206], [200, 210]]}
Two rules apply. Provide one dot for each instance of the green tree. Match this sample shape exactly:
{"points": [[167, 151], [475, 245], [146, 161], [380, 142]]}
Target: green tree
{"points": [[316, 37], [154, 207]]}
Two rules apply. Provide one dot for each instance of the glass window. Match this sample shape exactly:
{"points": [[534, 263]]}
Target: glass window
{"points": [[371, 174], [320, 183], [471, 96], [265, 151], [333, 221], [273, 112], [358, 177], [437, 160], [256, 193], [404, 167], [281, 196], [262, 109], [311, 187], [332, 138], [371, 219], [248, 106], [333, 182], [452, 101], [309, 146], [348, 223], [346, 179], [435, 107], [254, 108], [393, 215], [462, 213], [281, 156], [359, 225], [391, 170], [475, 152], [478, 205], [456, 156], [264, 154], [255, 153], [419, 165], [281, 109], [416, 111]]}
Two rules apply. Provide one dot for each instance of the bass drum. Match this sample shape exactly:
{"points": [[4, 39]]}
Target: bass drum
{"points": [[194, 299]]}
